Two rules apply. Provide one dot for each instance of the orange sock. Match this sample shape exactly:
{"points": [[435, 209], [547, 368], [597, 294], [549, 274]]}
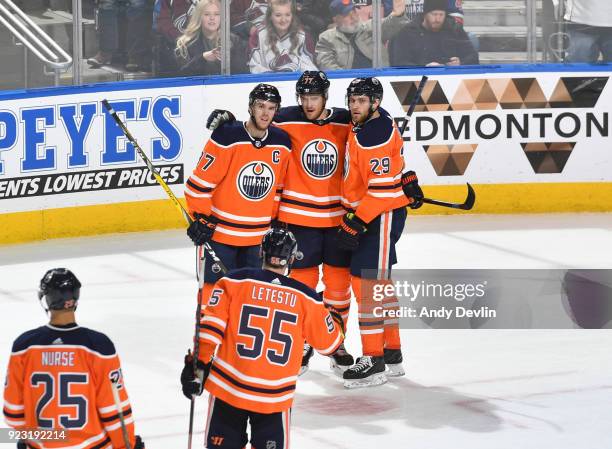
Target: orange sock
{"points": [[308, 276], [337, 292], [392, 334], [370, 327]]}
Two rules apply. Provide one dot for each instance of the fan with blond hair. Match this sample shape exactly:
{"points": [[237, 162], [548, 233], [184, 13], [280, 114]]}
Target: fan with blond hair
{"points": [[198, 49]]}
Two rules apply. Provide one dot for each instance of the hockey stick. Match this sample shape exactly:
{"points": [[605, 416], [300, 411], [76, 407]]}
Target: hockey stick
{"points": [[471, 195], [126, 438], [470, 199], [413, 103], [196, 343], [188, 218], [201, 259]]}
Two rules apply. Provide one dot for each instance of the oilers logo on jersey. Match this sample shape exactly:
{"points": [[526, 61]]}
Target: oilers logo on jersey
{"points": [[320, 158], [255, 180]]}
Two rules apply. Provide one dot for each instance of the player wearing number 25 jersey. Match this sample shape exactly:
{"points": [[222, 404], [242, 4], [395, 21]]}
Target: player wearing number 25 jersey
{"points": [[62, 376]]}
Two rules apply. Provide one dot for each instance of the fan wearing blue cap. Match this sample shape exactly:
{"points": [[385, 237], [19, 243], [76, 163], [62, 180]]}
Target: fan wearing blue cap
{"points": [[349, 44]]}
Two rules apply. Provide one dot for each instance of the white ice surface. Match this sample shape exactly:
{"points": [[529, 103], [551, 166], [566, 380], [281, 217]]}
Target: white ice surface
{"points": [[479, 389]]}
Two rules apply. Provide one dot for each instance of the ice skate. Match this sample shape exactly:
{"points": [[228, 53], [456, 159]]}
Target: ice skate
{"points": [[369, 371], [393, 361]]}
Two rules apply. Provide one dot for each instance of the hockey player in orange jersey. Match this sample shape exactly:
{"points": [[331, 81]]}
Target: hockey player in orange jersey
{"points": [[233, 192], [62, 376], [258, 319], [376, 211], [311, 199]]}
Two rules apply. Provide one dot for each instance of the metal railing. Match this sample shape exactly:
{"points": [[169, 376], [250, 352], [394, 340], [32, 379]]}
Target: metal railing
{"points": [[34, 38]]}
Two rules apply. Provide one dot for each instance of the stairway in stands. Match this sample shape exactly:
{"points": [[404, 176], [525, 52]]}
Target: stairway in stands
{"points": [[501, 26], [19, 71]]}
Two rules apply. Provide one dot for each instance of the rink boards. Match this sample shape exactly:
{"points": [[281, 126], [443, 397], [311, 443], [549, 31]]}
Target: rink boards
{"points": [[528, 141]]}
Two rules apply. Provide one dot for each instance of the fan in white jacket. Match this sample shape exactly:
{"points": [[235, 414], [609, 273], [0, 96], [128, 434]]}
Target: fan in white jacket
{"points": [[281, 45]]}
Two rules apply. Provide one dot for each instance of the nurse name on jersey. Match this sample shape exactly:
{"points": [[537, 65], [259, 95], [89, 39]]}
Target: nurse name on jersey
{"points": [[57, 358]]}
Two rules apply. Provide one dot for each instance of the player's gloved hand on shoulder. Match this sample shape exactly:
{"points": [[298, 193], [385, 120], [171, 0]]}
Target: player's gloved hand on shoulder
{"points": [[201, 229], [411, 188], [192, 381], [349, 231], [139, 443], [218, 117]]}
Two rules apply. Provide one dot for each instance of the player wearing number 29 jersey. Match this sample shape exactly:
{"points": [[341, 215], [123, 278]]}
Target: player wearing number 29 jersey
{"points": [[376, 212], [60, 376]]}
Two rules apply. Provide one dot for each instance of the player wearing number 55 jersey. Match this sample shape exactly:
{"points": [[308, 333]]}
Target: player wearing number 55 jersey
{"points": [[259, 319], [63, 376]]}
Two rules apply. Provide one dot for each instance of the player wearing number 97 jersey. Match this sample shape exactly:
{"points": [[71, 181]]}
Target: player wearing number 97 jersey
{"points": [[61, 376], [234, 191]]}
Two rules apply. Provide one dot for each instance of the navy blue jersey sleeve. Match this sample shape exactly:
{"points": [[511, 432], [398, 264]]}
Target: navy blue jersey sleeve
{"points": [[290, 114], [340, 115], [229, 133], [268, 276], [28, 338], [376, 131], [277, 136], [99, 342]]}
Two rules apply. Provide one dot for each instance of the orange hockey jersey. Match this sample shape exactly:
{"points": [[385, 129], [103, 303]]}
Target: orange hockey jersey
{"points": [[313, 185], [260, 319], [59, 377], [238, 181], [373, 169]]}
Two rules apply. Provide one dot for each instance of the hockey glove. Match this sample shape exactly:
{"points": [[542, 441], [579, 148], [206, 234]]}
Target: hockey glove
{"points": [[218, 117], [349, 231], [192, 382], [412, 190], [277, 224], [139, 443], [201, 229]]}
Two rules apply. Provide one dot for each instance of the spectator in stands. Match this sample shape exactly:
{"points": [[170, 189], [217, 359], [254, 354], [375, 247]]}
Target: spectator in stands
{"points": [[315, 17], [414, 8], [432, 39], [349, 44], [281, 45], [198, 49], [454, 9], [364, 9], [589, 29], [170, 18], [136, 32], [247, 14]]}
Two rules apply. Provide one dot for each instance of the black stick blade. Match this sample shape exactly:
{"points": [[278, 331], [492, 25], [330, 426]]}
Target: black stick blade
{"points": [[466, 205], [470, 199]]}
